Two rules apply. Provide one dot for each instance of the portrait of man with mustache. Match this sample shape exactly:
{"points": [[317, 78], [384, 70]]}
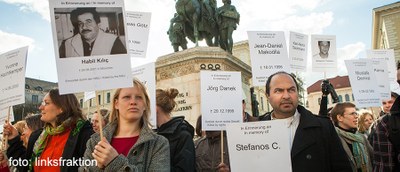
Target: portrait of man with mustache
{"points": [[89, 39]]}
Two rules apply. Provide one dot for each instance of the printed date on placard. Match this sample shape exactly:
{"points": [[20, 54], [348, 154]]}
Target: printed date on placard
{"points": [[271, 67], [366, 91], [222, 111]]}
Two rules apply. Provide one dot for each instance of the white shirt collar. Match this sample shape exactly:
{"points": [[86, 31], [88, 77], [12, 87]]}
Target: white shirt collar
{"points": [[290, 120]]}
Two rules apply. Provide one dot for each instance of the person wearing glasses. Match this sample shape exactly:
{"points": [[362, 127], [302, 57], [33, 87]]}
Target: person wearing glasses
{"points": [[90, 39], [63, 138], [358, 149]]}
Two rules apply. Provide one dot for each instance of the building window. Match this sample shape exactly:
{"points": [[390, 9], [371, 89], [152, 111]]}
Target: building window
{"points": [[90, 103], [81, 102], [340, 98], [38, 88], [347, 97], [35, 98], [99, 99], [108, 97], [352, 96], [319, 101], [27, 86]]}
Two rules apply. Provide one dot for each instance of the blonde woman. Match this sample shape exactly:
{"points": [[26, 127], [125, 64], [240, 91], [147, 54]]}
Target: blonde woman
{"points": [[129, 144], [365, 121]]}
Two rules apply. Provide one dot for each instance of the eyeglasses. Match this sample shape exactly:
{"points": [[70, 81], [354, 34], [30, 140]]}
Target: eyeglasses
{"points": [[352, 114]]}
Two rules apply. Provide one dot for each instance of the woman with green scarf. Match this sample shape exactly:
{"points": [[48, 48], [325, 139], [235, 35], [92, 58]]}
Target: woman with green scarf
{"points": [[358, 149], [60, 145]]}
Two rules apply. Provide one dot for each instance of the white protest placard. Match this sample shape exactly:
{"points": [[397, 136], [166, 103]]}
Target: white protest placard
{"points": [[324, 57], [89, 95], [3, 116], [388, 55], [298, 44], [90, 45], [257, 145], [12, 77], [268, 54], [138, 25], [147, 75], [221, 99], [382, 78], [363, 83]]}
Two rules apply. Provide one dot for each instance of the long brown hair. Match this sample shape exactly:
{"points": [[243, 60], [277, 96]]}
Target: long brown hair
{"points": [[69, 105], [145, 119]]}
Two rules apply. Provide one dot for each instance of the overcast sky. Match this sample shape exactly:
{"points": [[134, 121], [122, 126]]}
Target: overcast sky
{"points": [[26, 22]]}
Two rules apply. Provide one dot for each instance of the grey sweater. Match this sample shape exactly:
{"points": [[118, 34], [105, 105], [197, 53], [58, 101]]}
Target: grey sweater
{"points": [[150, 153]]}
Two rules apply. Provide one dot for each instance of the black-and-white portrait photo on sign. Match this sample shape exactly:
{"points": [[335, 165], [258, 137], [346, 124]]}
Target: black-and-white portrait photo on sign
{"points": [[324, 58], [323, 49], [90, 40], [90, 31]]}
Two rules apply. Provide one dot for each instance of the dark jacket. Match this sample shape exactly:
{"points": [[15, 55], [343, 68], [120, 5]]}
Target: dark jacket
{"points": [[386, 158], [74, 148], [316, 145], [208, 153], [323, 107], [180, 136]]}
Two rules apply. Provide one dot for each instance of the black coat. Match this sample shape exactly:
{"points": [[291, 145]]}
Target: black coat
{"points": [[180, 136], [316, 145], [74, 148]]}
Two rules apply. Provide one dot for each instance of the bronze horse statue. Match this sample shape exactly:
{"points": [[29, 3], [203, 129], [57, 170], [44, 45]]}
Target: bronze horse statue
{"points": [[200, 22]]}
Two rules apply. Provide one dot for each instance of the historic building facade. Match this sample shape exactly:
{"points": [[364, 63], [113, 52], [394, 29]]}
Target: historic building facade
{"points": [[181, 70], [386, 28], [35, 90]]}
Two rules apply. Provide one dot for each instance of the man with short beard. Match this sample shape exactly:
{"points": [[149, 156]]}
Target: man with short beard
{"points": [[314, 143]]}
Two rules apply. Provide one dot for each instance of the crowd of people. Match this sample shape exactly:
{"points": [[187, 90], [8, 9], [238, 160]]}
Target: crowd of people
{"points": [[345, 139]]}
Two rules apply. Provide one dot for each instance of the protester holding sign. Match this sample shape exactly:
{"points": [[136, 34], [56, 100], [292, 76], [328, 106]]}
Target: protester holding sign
{"points": [[208, 153], [129, 144], [60, 144], [386, 106], [358, 150], [177, 130], [386, 154], [315, 145]]}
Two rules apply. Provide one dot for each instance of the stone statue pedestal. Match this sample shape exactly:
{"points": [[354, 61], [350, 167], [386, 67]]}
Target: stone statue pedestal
{"points": [[181, 70]]}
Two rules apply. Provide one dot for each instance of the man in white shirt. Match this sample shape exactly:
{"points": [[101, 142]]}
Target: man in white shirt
{"points": [[315, 145]]}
